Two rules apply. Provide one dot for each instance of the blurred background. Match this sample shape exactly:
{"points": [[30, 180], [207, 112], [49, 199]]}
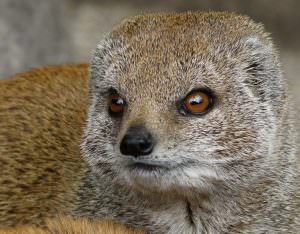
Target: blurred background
{"points": [[39, 32]]}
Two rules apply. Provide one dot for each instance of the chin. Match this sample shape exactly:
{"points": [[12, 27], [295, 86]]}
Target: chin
{"points": [[178, 181]]}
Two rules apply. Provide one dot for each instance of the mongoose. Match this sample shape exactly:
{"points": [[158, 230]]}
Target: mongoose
{"points": [[189, 130]]}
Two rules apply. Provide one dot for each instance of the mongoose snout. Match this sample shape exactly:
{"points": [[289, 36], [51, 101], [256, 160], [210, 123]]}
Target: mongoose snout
{"points": [[137, 141]]}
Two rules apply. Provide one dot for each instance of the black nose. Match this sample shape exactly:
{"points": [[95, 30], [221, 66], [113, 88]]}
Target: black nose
{"points": [[137, 141]]}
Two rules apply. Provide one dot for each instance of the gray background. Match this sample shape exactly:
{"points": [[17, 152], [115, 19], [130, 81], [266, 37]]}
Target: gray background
{"points": [[39, 32]]}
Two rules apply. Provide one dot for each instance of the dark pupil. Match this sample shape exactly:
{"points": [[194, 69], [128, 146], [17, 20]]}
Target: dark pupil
{"points": [[117, 101], [196, 100]]}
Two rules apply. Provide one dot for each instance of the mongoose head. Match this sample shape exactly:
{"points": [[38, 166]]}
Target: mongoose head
{"points": [[183, 102]]}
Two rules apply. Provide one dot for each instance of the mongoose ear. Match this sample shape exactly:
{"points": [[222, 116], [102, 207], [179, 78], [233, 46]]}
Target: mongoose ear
{"points": [[264, 77]]}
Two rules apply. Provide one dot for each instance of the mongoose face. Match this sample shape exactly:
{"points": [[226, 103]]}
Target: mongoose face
{"points": [[182, 102]]}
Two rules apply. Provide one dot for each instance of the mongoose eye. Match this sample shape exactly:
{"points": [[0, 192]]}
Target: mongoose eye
{"points": [[197, 102], [116, 105]]}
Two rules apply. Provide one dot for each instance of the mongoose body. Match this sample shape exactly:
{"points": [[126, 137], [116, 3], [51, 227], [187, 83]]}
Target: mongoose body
{"points": [[41, 121], [42, 114], [189, 130], [71, 225]]}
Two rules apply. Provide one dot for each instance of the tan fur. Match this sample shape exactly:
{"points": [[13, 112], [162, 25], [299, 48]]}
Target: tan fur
{"points": [[42, 114], [66, 225], [41, 119]]}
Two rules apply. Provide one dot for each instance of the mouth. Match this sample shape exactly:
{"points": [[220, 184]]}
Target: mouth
{"points": [[145, 166]]}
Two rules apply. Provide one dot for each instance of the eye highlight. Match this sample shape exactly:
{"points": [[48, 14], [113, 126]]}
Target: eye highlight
{"points": [[116, 105], [197, 102]]}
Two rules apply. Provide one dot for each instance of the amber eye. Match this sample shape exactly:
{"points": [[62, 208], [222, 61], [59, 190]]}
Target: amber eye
{"points": [[116, 105], [197, 102]]}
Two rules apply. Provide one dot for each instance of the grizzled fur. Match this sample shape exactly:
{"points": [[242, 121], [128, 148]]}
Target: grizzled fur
{"points": [[232, 170]]}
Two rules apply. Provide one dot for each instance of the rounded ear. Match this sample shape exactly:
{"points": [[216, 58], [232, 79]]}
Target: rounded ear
{"points": [[264, 76]]}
